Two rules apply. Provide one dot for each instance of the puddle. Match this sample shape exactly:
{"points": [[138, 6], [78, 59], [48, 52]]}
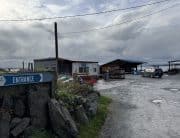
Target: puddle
{"points": [[157, 101], [125, 105], [172, 89]]}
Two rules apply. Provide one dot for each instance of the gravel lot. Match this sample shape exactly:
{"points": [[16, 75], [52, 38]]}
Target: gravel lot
{"points": [[142, 107]]}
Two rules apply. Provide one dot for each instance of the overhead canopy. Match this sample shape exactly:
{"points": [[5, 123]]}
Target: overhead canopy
{"points": [[123, 62], [127, 65]]}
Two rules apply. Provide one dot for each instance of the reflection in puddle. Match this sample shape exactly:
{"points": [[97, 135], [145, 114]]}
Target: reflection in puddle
{"points": [[172, 89], [157, 101]]}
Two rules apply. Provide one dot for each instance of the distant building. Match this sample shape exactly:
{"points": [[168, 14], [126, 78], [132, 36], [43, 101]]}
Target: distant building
{"points": [[68, 67], [127, 65]]}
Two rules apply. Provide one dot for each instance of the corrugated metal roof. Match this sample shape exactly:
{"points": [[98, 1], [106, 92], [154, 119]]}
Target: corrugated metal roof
{"points": [[51, 58], [125, 61]]}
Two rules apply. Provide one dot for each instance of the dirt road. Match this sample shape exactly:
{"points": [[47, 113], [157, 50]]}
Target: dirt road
{"points": [[142, 107]]}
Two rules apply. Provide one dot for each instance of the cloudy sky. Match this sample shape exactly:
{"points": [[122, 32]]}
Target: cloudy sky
{"points": [[154, 38]]}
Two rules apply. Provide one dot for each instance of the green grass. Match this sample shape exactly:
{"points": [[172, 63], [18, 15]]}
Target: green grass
{"points": [[93, 128], [42, 134]]}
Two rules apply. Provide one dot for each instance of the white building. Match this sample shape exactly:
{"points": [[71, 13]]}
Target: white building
{"points": [[69, 67]]}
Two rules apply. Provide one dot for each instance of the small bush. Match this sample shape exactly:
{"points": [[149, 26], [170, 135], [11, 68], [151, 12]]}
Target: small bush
{"points": [[68, 99], [71, 93], [74, 88]]}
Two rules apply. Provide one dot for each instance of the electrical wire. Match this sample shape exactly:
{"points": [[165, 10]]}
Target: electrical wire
{"points": [[113, 25], [82, 15]]}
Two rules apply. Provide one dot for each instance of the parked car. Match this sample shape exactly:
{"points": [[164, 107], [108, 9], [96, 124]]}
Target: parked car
{"points": [[86, 79], [153, 73]]}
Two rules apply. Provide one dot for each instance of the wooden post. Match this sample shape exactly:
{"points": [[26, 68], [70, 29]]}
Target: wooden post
{"points": [[169, 65], [23, 66]]}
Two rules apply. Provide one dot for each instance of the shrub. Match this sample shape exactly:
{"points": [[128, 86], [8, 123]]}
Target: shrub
{"points": [[72, 93], [67, 98], [74, 88]]}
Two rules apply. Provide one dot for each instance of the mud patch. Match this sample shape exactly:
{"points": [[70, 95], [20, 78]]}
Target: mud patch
{"points": [[124, 105]]}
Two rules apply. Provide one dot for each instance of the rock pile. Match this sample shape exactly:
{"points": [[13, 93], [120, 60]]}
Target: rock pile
{"points": [[32, 108]]}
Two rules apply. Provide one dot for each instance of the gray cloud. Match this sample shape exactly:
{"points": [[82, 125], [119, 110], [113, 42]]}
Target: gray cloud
{"points": [[151, 38]]}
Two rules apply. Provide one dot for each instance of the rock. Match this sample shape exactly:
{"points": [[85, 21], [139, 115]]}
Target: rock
{"points": [[20, 127], [81, 115], [78, 100], [91, 104], [15, 122], [19, 108], [4, 124], [38, 106], [61, 121], [92, 109], [28, 132], [7, 103], [93, 96]]}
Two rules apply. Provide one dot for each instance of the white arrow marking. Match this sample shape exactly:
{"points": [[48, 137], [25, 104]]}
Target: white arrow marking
{"points": [[41, 80], [2, 80]]}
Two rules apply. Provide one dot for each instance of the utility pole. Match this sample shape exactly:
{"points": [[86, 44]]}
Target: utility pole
{"points": [[56, 47], [23, 66], [169, 65]]}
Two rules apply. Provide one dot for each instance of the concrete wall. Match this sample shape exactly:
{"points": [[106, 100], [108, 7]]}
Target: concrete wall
{"points": [[23, 106], [76, 65]]}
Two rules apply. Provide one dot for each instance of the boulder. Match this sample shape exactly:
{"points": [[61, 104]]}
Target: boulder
{"points": [[94, 96], [61, 121], [38, 107], [91, 104], [19, 109], [78, 100], [20, 127], [7, 103], [92, 109], [28, 132], [4, 124], [15, 122], [81, 116]]}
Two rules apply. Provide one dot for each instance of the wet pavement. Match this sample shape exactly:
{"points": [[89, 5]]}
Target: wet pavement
{"points": [[142, 107]]}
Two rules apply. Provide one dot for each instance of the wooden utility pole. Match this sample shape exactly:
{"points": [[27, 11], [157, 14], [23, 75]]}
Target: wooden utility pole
{"points": [[23, 66], [169, 65], [56, 47]]}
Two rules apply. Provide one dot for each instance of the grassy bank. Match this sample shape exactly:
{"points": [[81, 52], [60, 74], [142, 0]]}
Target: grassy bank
{"points": [[41, 133], [93, 128]]}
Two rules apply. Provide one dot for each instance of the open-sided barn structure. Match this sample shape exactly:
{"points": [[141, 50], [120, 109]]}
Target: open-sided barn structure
{"points": [[127, 65]]}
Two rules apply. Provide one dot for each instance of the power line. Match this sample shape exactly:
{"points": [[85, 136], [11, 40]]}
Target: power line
{"points": [[113, 25], [82, 15]]}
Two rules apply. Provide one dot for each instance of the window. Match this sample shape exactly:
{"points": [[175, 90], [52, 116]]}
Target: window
{"points": [[87, 69], [83, 64], [94, 69], [83, 69]]}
